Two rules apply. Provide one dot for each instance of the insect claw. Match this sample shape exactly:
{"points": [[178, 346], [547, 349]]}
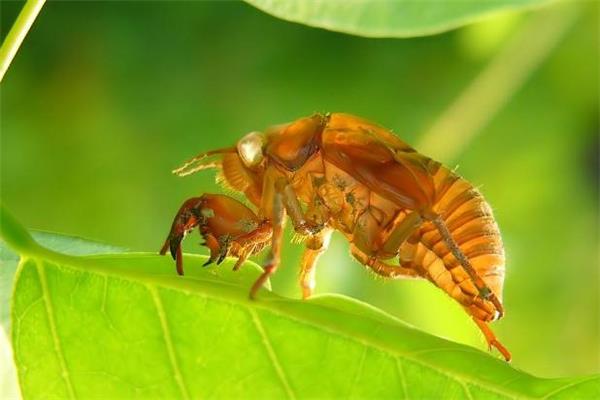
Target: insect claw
{"points": [[222, 254], [503, 350], [238, 263], [498, 306], [224, 243], [242, 257], [178, 260], [164, 248], [491, 339], [175, 246]]}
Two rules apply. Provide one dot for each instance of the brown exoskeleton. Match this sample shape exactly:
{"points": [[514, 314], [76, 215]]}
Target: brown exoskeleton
{"points": [[340, 172]]}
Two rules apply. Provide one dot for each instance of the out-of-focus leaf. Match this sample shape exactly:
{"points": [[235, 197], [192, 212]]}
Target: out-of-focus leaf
{"points": [[124, 325], [387, 18]]}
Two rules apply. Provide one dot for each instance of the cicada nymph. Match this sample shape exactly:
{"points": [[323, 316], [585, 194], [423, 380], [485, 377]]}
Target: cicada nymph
{"points": [[339, 172]]}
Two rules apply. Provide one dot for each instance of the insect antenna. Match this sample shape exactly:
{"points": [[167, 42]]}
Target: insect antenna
{"points": [[202, 161]]}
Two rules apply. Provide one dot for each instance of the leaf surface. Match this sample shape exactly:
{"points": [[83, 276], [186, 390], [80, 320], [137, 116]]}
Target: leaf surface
{"points": [[61, 243], [8, 266], [384, 18], [125, 325]]}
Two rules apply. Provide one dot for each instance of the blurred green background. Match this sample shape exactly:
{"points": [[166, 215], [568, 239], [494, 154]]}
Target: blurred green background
{"points": [[105, 98]]}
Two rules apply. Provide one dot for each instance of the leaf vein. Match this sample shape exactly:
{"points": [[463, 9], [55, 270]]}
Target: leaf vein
{"points": [[271, 352], [168, 340], [29, 307], [52, 325], [467, 390], [402, 377], [358, 373], [568, 385]]}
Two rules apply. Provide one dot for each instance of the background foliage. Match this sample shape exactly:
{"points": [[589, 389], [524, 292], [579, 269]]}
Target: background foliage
{"points": [[104, 98]]}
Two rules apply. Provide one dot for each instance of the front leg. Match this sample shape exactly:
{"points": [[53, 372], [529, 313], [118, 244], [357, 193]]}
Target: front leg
{"points": [[278, 198], [186, 219], [274, 257], [227, 226]]}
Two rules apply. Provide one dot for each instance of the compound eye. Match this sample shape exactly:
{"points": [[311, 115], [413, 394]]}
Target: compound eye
{"points": [[250, 149]]}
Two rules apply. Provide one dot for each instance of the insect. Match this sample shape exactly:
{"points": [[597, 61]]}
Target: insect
{"points": [[339, 172]]}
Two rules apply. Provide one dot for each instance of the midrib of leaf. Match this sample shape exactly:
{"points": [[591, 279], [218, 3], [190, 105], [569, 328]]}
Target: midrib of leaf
{"points": [[52, 325], [208, 290]]}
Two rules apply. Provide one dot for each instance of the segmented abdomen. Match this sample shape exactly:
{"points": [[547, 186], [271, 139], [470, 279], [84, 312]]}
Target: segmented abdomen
{"points": [[471, 223]]}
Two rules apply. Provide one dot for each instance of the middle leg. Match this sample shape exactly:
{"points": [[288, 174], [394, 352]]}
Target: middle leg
{"points": [[315, 246], [302, 224]]}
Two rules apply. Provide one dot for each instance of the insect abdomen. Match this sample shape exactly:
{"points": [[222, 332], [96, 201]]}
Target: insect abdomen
{"points": [[471, 223]]}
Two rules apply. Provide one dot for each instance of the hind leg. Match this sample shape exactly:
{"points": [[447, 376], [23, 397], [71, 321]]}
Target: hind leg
{"points": [[491, 338], [371, 244], [382, 268], [484, 291], [387, 244]]}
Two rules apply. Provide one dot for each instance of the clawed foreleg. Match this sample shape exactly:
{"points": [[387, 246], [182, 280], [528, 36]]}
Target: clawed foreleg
{"points": [[227, 226]]}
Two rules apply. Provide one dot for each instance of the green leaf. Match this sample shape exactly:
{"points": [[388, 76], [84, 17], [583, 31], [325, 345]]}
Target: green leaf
{"points": [[125, 325], [386, 18], [8, 266], [62, 243]]}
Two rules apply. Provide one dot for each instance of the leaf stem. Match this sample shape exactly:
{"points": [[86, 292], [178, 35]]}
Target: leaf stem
{"points": [[14, 234], [18, 238], [17, 33]]}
